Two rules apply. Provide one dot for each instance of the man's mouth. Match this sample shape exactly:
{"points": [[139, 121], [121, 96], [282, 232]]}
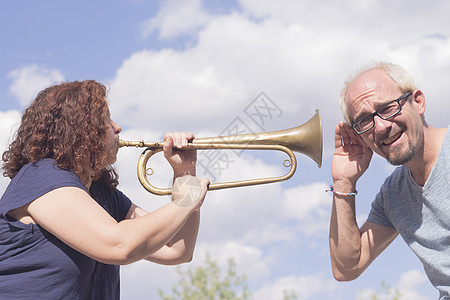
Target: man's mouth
{"points": [[392, 138]]}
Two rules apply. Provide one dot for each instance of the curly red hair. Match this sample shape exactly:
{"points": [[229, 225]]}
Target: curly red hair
{"points": [[69, 123]]}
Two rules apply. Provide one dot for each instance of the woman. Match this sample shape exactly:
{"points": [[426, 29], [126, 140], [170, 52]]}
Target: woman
{"points": [[64, 227]]}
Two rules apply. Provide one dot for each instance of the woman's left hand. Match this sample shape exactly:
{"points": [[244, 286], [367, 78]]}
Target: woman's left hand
{"points": [[182, 162]]}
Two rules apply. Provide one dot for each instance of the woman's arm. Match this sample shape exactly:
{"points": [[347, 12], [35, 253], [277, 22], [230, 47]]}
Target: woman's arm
{"points": [[74, 217], [181, 248]]}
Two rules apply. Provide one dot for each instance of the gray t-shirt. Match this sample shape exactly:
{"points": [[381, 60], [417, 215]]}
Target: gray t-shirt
{"points": [[421, 215]]}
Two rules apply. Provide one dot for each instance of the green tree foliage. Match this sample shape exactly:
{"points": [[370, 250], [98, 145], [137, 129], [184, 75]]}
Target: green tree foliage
{"points": [[289, 295], [208, 282], [385, 293]]}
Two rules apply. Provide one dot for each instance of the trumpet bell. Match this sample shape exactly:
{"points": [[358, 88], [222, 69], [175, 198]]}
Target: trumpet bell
{"points": [[305, 139]]}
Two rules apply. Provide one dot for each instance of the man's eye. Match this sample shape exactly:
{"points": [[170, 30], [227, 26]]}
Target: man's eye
{"points": [[365, 122], [388, 109]]}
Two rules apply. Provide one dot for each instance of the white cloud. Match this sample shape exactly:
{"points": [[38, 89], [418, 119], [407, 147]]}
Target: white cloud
{"points": [[312, 197], [304, 287], [286, 214], [31, 79], [383, 20], [428, 61], [408, 284], [142, 280], [300, 61], [233, 61], [176, 18], [406, 288], [9, 121], [250, 260]]}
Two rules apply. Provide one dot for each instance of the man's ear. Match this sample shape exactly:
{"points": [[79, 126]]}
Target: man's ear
{"points": [[418, 100]]}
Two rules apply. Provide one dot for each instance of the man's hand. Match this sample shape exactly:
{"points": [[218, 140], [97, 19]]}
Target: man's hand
{"points": [[350, 160]]}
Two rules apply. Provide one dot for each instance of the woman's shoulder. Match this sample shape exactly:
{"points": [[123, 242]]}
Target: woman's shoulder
{"points": [[34, 180], [46, 170]]}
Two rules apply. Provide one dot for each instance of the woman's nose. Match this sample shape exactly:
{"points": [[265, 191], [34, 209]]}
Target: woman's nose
{"points": [[116, 127]]}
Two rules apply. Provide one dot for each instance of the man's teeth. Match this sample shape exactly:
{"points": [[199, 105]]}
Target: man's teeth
{"points": [[392, 138]]}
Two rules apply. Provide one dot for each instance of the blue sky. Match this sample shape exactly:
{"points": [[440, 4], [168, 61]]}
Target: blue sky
{"points": [[205, 66]]}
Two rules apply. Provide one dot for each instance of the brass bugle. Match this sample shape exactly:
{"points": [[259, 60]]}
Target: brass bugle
{"points": [[305, 139]]}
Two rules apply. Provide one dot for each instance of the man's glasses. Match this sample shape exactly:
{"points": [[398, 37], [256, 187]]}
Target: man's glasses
{"points": [[385, 112]]}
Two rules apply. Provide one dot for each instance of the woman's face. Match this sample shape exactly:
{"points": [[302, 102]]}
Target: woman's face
{"points": [[113, 136]]}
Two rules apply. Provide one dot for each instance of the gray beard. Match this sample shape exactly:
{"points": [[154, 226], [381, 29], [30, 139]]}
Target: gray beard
{"points": [[398, 159]]}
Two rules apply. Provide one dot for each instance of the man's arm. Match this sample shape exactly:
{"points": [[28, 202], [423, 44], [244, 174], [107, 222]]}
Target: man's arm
{"points": [[352, 249]]}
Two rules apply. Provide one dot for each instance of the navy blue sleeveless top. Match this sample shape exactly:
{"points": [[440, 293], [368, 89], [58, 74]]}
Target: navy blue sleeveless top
{"points": [[34, 264]]}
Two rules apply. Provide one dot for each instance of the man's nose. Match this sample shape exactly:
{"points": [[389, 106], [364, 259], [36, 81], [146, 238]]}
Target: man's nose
{"points": [[380, 124]]}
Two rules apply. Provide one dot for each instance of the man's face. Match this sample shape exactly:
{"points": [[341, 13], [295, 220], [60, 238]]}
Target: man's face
{"points": [[397, 139]]}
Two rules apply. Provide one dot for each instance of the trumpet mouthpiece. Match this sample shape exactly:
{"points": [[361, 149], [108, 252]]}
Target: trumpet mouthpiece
{"points": [[122, 143]]}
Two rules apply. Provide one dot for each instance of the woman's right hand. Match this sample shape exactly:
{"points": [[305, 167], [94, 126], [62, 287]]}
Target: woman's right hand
{"points": [[182, 162], [189, 190]]}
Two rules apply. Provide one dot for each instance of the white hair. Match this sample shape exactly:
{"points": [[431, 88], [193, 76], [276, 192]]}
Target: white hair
{"points": [[401, 78]]}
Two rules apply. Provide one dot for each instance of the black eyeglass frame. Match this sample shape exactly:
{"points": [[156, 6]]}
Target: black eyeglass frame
{"points": [[376, 113]]}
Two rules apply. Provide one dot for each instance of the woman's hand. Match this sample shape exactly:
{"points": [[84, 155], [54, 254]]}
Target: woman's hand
{"points": [[182, 162], [189, 190]]}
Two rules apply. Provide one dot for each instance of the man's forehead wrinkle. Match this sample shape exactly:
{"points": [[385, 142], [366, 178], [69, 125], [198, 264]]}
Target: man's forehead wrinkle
{"points": [[359, 98], [371, 83], [368, 91]]}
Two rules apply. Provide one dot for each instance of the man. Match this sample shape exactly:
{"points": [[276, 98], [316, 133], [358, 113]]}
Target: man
{"points": [[384, 113]]}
